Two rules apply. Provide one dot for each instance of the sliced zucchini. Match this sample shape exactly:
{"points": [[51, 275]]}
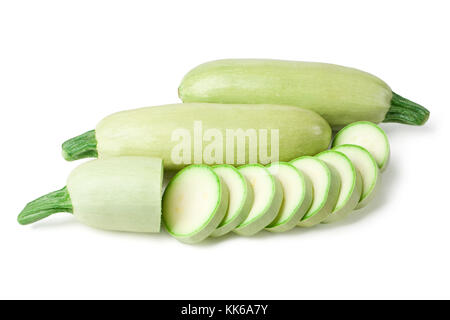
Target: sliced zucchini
{"points": [[366, 166], [240, 198], [325, 189], [268, 195], [194, 203], [351, 183], [297, 196], [369, 136]]}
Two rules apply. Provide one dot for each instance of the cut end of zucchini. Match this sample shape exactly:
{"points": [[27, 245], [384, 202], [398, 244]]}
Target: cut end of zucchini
{"points": [[194, 203], [118, 194], [268, 195], [369, 136], [80, 147], [297, 196], [405, 111]]}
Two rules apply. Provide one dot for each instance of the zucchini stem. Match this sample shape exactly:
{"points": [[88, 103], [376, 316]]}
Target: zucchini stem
{"points": [[53, 202], [79, 147], [405, 111]]}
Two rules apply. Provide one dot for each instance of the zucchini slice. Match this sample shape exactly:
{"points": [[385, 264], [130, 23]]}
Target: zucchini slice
{"points": [[369, 136], [366, 166], [297, 196], [268, 195], [325, 189], [351, 183], [194, 203], [240, 198]]}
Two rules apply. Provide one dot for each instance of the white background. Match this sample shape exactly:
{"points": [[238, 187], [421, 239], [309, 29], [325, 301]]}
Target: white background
{"points": [[64, 65]]}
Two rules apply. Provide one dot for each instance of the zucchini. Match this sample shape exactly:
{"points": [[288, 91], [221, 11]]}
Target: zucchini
{"points": [[194, 203], [240, 198], [369, 136], [325, 185], [157, 131], [297, 196], [341, 95], [268, 195], [366, 166], [351, 183], [122, 194]]}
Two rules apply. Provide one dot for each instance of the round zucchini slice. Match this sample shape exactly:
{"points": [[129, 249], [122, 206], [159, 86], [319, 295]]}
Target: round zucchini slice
{"points": [[325, 189], [297, 196], [351, 183], [194, 203], [369, 136], [366, 166], [240, 198], [268, 195]]}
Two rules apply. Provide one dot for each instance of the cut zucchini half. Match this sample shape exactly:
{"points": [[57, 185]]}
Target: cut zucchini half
{"points": [[366, 166], [268, 195], [351, 183], [325, 189], [297, 196], [369, 136], [240, 198], [194, 203]]}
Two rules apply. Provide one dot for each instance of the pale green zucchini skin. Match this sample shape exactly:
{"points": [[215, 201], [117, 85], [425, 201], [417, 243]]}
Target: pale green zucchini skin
{"points": [[340, 94], [148, 131], [121, 194]]}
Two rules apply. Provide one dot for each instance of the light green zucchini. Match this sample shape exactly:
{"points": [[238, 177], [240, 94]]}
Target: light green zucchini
{"points": [[122, 194], [341, 95], [194, 203], [161, 131]]}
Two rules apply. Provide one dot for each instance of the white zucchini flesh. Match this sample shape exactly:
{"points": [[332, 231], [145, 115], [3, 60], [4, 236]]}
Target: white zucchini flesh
{"points": [[369, 136], [297, 196], [240, 198], [194, 203], [122, 194], [268, 195], [351, 183], [325, 189], [366, 166]]}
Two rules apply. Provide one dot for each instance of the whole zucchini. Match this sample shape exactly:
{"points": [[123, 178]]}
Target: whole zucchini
{"points": [[154, 132], [339, 94]]}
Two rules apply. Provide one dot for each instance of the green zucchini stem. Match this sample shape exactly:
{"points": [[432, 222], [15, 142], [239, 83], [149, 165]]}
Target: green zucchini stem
{"points": [[53, 202], [405, 111], [79, 147]]}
